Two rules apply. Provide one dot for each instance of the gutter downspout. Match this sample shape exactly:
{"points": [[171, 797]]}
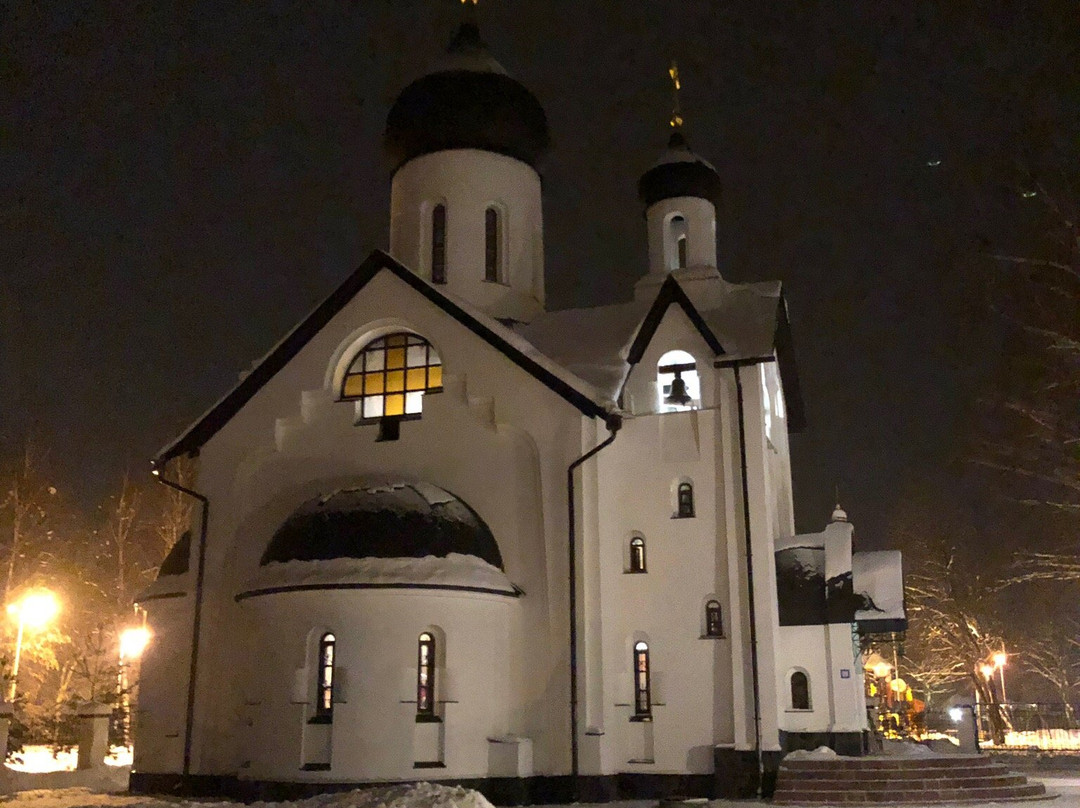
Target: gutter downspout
{"points": [[189, 723], [613, 422], [754, 672]]}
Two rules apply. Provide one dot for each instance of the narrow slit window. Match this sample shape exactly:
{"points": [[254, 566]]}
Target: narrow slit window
{"points": [[677, 245], [438, 244], [324, 702], [681, 245], [389, 379], [685, 494], [642, 694], [492, 251], [800, 691], [714, 624], [637, 554], [425, 676]]}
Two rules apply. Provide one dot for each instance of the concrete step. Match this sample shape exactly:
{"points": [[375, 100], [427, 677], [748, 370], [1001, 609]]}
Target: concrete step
{"points": [[861, 796], [838, 773], [943, 762], [908, 784]]}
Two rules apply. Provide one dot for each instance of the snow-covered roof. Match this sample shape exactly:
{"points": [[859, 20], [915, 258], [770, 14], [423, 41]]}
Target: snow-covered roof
{"points": [[879, 575]]}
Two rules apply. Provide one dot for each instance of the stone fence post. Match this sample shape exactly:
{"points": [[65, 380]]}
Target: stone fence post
{"points": [[93, 734], [7, 710]]}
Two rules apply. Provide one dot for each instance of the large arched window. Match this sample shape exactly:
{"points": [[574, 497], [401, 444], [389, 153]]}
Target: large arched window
{"points": [[493, 245], [390, 376], [324, 697], [425, 676], [637, 554], [677, 383], [800, 691], [642, 695], [438, 244]]}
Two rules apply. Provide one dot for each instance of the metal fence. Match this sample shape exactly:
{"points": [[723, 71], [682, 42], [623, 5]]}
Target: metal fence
{"points": [[1041, 727]]}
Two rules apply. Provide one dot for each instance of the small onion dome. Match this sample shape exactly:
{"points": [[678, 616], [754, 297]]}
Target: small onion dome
{"points": [[469, 102], [679, 172], [395, 520], [838, 514]]}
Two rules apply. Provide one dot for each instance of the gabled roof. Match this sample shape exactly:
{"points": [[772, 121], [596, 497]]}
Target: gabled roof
{"points": [[524, 355]]}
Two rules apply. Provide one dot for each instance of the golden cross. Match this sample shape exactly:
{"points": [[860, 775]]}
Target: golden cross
{"points": [[676, 112]]}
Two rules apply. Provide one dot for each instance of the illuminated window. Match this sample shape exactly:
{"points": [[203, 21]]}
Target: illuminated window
{"points": [[800, 691], [492, 245], [677, 242], [637, 554], [425, 676], [714, 625], [685, 495], [324, 700], [390, 376], [438, 244], [642, 697], [678, 385]]}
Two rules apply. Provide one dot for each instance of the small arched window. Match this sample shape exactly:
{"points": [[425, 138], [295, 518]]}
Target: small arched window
{"points": [[637, 554], [677, 241], [438, 244], [324, 697], [425, 676], [685, 495], [714, 623], [800, 691], [390, 376], [492, 245], [677, 382], [642, 695]]}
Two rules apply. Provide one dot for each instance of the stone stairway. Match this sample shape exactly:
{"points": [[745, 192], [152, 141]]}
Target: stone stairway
{"points": [[898, 780]]}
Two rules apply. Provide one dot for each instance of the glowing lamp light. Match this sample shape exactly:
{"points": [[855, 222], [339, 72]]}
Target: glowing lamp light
{"points": [[898, 685], [35, 609], [987, 671], [133, 642], [955, 714], [881, 670], [1000, 658]]}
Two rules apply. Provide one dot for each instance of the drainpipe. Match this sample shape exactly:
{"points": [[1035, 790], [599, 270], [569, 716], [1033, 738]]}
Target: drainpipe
{"points": [[754, 672], [197, 620], [613, 422]]}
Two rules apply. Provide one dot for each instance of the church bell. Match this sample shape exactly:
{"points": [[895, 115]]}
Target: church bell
{"points": [[678, 395]]}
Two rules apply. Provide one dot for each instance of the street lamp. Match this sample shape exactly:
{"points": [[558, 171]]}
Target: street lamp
{"points": [[1000, 658], [133, 642], [35, 609]]}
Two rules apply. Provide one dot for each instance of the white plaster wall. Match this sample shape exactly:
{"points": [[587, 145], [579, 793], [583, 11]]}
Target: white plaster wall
{"points": [[160, 707], [803, 648], [374, 717], [468, 181], [496, 437], [700, 217]]}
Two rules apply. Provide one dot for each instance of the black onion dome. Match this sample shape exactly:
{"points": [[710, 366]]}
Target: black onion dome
{"points": [[395, 520], [469, 102], [679, 172]]}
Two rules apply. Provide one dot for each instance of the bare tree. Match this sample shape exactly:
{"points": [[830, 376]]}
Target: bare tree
{"points": [[1053, 654], [24, 512]]}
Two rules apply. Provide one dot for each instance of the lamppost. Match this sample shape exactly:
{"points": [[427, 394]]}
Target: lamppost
{"points": [[1000, 658], [35, 609], [133, 642]]}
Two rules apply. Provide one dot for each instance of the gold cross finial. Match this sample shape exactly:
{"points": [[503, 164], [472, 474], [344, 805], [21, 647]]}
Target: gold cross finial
{"points": [[676, 112], [466, 2]]}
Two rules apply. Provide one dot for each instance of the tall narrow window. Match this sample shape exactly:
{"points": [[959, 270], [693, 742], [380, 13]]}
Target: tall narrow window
{"points": [[492, 237], [686, 500], [425, 676], [681, 244], [391, 375], [800, 691], [676, 247], [438, 244], [642, 697], [324, 700], [714, 624], [637, 554]]}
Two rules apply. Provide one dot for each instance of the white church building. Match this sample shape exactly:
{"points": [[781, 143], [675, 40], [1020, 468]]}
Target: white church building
{"points": [[445, 534]]}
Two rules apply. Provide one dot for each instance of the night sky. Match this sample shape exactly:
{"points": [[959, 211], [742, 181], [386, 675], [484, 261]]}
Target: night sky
{"points": [[183, 182]]}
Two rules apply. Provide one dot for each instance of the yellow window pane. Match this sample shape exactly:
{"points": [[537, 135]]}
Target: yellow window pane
{"points": [[434, 376], [395, 358], [395, 405], [395, 340], [373, 383], [353, 387], [395, 381], [415, 379]]}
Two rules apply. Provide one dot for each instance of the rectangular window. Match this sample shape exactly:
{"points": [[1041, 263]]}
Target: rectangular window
{"points": [[438, 244], [491, 245]]}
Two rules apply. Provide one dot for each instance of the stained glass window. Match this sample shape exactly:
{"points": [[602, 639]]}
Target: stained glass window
{"points": [[642, 697], [324, 704], [425, 675], [390, 376]]}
